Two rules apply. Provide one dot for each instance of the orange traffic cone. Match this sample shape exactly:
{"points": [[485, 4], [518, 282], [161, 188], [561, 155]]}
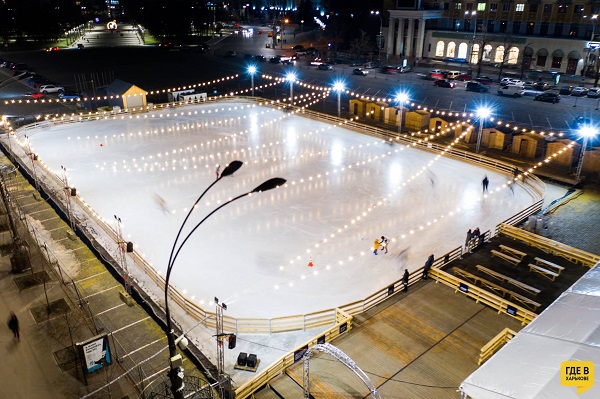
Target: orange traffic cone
{"points": [[310, 263]]}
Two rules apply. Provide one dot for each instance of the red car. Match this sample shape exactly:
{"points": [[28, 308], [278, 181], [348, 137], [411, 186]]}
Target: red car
{"points": [[35, 95], [444, 83], [463, 77]]}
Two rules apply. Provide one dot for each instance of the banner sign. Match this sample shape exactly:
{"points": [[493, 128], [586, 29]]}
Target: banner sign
{"points": [[94, 353], [300, 353]]}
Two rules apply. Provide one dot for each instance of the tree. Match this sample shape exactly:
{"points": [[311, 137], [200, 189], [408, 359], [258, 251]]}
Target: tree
{"points": [[362, 44]]}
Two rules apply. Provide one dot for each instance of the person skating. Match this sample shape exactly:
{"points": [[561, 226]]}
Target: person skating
{"points": [[217, 170], [427, 266], [13, 324], [384, 244], [375, 246], [485, 182], [468, 239], [405, 280]]}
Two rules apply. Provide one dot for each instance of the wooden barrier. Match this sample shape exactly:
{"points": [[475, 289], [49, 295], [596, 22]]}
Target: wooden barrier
{"points": [[573, 255], [506, 257], [544, 272], [509, 280], [556, 268], [502, 305], [513, 252], [496, 343]]}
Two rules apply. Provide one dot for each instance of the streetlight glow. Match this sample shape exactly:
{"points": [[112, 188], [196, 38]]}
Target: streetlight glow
{"points": [[401, 97], [252, 71], [482, 113], [586, 132], [339, 86], [291, 77]]}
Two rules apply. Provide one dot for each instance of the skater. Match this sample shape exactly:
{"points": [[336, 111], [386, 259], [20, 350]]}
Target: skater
{"points": [[485, 182], [13, 324], [375, 246], [468, 240], [218, 170], [476, 233], [427, 266], [405, 280], [384, 244], [516, 172]]}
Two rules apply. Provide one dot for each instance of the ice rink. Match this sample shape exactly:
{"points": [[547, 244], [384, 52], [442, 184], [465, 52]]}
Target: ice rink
{"points": [[344, 190]]}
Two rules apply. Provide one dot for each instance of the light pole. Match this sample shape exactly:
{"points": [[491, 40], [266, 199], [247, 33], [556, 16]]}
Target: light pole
{"points": [[291, 77], [523, 60], [252, 71], [339, 87], [473, 15], [586, 132], [402, 98], [483, 113], [176, 372], [380, 36]]}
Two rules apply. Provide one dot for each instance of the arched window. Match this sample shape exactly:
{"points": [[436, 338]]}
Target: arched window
{"points": [[487, 53], [475, 54], [462, 50], [439, 49], [451, 52], [513, 55], [499, 57]]}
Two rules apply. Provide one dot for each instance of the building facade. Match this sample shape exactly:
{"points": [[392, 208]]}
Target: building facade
{"points": [[548, 35]]}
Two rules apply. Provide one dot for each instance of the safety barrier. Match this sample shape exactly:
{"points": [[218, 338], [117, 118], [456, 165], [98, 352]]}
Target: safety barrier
{"points": [[495, 343]]}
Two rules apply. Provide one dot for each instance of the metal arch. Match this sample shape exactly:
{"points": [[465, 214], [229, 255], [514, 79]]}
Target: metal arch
{"points": [[340, 357]]}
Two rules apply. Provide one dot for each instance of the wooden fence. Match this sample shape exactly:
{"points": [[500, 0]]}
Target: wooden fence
{"points": [[496, 343]]}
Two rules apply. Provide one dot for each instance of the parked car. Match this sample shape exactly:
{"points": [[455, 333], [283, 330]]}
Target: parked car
{"points": [[437, 74], [275, 60], [444, 83], [579, 91], [511, 81], [511, 90], [69, 95], [593, 92], [49, 49], [390, 69], [566, 90], [463, 77], [486, 80], [548, 97], [360, 71], [477, 87], [371, 65], [453, 74], [51, 89], [325, 67], [404, 69], [298, 47], [260, 58]]}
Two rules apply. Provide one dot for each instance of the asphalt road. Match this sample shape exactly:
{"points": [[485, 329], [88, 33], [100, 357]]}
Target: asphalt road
{"points": [[152, 68]]}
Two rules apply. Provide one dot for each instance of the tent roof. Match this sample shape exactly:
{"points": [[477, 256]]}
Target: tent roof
{"points": [[120, 87], [529, 365]]}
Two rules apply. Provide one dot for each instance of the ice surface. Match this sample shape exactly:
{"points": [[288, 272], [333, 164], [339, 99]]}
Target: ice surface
{"points": [[344, 190]]}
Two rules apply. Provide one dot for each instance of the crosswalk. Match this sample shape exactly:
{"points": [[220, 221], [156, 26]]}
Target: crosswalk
{"points": [[101, 36]]}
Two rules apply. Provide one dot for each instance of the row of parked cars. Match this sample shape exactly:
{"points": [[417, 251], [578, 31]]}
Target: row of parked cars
{"points": [[41, 84]]}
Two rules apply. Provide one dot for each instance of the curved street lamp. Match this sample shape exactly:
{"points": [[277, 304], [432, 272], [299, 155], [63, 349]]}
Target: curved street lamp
{"points": [[176, 371], [483, 113]]}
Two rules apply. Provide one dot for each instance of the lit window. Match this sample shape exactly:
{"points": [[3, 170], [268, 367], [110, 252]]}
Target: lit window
{"points": [[439, 49], [457, 6], [480, 6], [520, 7]]}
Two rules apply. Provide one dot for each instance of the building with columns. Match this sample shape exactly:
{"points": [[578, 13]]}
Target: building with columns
{"points": [[548, 35]]}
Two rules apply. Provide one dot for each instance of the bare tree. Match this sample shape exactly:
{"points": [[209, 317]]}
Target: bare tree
{"points": [[362, 44]]}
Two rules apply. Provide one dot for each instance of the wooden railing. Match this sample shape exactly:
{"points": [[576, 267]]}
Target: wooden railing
{"points": [[572, 254], [496, 343], [343, 323], [525, 316]]}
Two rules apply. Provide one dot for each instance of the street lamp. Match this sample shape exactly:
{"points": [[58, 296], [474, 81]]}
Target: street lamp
{"points": [[483, 113], [402, 98], [523, 60], [586, 132], [380, 36], [291, 77], [175, 360], [252, 71], [339, 87], [474, 22]]}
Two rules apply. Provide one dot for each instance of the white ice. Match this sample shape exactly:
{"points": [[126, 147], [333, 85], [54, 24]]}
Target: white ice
{"points": [[344, 190]]}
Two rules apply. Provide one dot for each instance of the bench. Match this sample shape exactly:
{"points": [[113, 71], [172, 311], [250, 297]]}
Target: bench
{"points": [[503, 278], [513, 252], [543, 262], [506, 257], [544, 272]]}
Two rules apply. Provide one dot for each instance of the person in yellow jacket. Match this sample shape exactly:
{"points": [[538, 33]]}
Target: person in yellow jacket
{"points": [[375, 246]]}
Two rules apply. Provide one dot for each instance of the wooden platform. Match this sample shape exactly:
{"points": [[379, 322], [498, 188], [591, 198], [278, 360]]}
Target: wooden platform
{"points": [[431, 337]]}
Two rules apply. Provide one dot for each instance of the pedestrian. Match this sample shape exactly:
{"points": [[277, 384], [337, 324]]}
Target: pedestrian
{"points": [[485, 182], [218, 170], [476, 233], [384, 244], [405, 280], [375, 246], [468, 240], [427, 266], [516, 172], [13, 324]]}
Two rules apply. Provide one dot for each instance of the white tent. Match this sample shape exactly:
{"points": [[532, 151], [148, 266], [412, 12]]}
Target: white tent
{"points": [[529, 365]]}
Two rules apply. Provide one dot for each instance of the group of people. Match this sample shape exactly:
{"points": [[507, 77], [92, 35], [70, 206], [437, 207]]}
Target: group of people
{"points": [[426, 268], [473, 236], [383, 244]]}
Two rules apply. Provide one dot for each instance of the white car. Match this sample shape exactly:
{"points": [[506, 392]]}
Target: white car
{"points": [[511, 81], [593, 92], [51, 89], [511, 90]]}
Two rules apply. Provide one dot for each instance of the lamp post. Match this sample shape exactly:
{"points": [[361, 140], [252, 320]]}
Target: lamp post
{"points": [[523, 60], [586, 132], [176, 372], [380, 36], [291, 77], [402, 97], [473, 15], [482, 113], [339, 87], [252, 71]]}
